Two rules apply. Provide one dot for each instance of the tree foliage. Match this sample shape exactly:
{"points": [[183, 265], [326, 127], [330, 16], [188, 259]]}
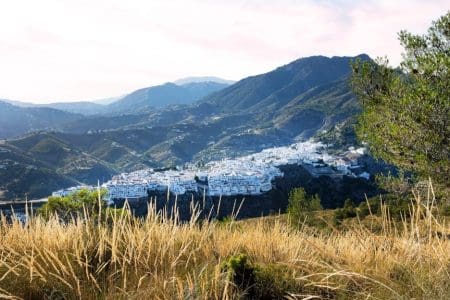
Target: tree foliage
{"points": [[348, 211], [301, 205], [406, 110], [80, 202]]}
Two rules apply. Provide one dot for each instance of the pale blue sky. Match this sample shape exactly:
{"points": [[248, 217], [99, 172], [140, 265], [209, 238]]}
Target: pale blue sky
{"points": [[61, 50]]}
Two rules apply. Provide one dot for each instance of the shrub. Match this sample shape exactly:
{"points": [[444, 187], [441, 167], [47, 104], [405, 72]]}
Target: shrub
{"points": [[274, 281], [260, 281], [240, 272], [348, 211], [364, 209], [77, 203], [301, 206]]}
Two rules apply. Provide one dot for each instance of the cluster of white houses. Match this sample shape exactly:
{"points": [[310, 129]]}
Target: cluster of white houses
{"points": [[248, 175]]}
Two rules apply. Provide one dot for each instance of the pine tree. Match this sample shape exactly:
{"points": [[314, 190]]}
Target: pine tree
{"points": [[406, 110]]}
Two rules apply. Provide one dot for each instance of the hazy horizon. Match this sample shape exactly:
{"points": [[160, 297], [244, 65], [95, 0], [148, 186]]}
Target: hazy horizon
{"points": [[60, 50]]}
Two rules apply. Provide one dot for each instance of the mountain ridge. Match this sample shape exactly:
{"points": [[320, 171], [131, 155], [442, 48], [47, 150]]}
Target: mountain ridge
{"points": [[197, 79], [291, 103], [273, 83], [186, 91], [164, 95], [15, 120]]}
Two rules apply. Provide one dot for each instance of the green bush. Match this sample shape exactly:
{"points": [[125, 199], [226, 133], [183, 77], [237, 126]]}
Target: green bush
{"points": [[78, 203], [302, 206], [240, 272], [364, 210], [348, 211], [255, 281], [274, 281]]}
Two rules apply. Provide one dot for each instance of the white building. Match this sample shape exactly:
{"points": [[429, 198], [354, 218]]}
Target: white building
{"points": [[247, 175]]}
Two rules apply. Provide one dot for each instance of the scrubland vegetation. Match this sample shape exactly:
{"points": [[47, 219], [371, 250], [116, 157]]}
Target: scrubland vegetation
{"points": [[267, 258]]}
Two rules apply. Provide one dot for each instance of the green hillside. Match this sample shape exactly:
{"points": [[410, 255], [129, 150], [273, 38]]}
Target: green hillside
{"points": [[294, 102]]}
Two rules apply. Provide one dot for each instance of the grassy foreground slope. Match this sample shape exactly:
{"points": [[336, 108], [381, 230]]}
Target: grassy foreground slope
{"points": [[264, 258]]}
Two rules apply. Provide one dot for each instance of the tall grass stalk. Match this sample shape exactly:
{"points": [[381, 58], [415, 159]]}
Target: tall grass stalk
{"points": [[160, 257]]}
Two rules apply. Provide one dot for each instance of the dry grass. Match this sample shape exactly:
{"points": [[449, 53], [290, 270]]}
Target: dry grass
{"points": [[157, 258]]}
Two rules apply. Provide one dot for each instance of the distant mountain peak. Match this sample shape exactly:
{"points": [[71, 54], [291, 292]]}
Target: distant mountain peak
{"points": [[199, 79], [164, 95]]}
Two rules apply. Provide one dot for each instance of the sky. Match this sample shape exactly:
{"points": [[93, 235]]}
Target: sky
{"points": [[72, 50]]}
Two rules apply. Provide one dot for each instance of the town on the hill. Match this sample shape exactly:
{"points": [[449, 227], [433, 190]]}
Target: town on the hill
{"points": [[248, 175]]}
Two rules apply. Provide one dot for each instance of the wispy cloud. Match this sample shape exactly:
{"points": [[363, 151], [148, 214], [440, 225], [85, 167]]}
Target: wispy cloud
{"points": [[62, 50]]}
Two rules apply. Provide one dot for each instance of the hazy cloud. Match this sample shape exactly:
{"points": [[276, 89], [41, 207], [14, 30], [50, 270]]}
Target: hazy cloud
{"points": [[70, 50]]}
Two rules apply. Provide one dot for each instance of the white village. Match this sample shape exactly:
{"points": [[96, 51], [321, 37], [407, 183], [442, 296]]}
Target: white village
{"points": [[247, 175]]}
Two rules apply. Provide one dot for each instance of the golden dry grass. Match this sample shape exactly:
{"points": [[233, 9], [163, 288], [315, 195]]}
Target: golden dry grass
{"points": [[158, 258]]}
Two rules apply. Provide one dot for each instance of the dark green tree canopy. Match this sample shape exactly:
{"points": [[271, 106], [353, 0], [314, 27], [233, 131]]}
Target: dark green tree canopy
{"points": [[80, 202], [406, 110]]}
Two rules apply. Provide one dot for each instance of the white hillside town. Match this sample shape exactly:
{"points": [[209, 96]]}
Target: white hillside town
{"points": [[248, 175]]}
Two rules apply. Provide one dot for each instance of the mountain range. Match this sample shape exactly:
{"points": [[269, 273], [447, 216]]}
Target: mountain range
{"points": [[58, 115], [16, 120], [163, 96], [171, 124]]}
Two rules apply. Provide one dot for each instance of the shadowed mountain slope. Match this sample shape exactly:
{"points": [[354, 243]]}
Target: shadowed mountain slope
{"points": [[15, 120]]}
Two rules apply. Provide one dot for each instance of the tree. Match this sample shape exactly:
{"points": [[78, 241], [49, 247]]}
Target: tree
{"points": [[315, 204], [297, 203], [406, 110], [300, 205], [76, 203]]}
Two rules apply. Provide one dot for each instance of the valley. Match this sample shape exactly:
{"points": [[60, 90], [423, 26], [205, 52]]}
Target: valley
{"points": [[292, 103]]}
